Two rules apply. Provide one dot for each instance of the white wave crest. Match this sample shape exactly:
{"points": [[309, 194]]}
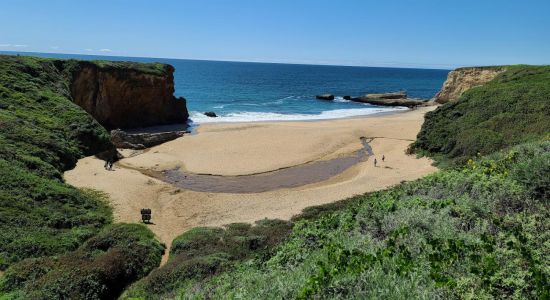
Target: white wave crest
{"points": [[340, 99], [200, 118]]}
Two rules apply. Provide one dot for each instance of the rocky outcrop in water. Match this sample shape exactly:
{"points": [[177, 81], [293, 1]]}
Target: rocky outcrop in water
{"points": [[396, 95], [390, 99], [127, 95], [325, 97], [463, 79], [391, 102], [210, 114]]}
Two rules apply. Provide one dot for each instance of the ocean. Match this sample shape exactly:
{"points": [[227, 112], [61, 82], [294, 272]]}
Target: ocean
{"points": [[243, 91]]}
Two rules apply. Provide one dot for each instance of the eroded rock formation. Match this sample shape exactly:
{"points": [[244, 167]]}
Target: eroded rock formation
{"points": [[126, 95], [396, 95], [391, 102], [463, 79], [390, 99], [122, 139]]}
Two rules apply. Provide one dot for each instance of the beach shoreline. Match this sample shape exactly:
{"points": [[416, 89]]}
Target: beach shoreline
{"points": [[233, 149], [214, 120]]}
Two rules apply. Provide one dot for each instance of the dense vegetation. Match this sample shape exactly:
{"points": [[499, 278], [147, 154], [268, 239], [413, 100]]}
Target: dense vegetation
{"points": [[204, 251], [100, 269], [42, 134], [479, 232], [512, 109]]}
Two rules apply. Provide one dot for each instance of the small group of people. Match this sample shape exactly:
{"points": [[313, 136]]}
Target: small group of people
{"points": [[376, 162]]}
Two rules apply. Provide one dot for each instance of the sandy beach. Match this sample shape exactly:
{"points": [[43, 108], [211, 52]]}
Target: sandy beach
{"points": [[248, 148]]}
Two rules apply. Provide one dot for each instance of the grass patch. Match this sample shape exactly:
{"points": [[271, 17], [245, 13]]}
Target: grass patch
{"points": [[511, 109], [205, 251], [100, 269]]}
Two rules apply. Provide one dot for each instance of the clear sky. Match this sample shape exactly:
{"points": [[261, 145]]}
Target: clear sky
{"points": [[423, 33]]}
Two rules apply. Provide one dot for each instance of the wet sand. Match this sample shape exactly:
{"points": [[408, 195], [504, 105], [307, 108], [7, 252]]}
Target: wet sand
{"points": [[253, 148], [299, 175]]}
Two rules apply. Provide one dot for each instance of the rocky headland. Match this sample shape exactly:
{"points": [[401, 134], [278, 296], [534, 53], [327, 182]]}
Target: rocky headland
{"points": [[463, 79], [127, 95]]}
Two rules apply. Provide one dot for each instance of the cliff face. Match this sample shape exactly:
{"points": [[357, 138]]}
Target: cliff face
{"points": [[121, 95], [463, 79]]}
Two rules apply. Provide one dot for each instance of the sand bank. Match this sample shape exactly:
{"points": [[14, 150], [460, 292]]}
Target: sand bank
{"points": [[249, 148]]}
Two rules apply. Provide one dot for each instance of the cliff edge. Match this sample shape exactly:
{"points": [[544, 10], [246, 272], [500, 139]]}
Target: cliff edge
{"points": [[463, 79], [126, 94], [511, 109]]}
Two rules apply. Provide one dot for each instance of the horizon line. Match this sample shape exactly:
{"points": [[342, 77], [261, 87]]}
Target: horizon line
{"points": [[390, 65]]}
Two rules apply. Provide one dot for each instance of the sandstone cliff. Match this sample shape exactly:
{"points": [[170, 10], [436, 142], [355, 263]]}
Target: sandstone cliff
{"points": [[463, 79], [126, 95]]}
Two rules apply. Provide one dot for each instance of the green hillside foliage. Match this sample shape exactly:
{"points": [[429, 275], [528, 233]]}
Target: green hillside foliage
{"points": [[205, 251], [100, 269], [511, 109], [56, 239], [42, 133], [479, 232], [156, 69]]}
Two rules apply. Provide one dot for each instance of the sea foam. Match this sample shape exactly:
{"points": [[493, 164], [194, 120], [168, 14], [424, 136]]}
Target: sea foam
{"points": [[198, 117]]}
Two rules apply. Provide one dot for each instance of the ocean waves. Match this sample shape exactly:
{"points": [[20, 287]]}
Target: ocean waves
{"points": [[247, 116]]}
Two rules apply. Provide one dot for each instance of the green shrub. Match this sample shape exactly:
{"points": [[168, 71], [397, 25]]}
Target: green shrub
{"points": [[205, 251], [511, 109], [99, 269]]}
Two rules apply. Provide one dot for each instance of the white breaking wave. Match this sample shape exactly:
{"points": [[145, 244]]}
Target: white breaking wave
{"points": [[198, 117], [280, 101], [340, 99]]}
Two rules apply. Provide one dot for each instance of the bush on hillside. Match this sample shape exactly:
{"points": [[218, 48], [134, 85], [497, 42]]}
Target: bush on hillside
{"points": [[513, 108], [205, 251], [100, 269]]}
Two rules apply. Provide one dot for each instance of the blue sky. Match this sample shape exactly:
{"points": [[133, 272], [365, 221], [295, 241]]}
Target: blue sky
{"points": [[418, 33]]}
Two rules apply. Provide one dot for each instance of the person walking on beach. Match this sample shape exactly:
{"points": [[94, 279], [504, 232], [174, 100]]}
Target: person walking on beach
{"points": [[375, 162], [106, 164], [383, 158]]}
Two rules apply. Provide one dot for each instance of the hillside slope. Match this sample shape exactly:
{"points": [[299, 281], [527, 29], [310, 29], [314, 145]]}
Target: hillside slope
{"points": [[511, 109], [42, 134]]}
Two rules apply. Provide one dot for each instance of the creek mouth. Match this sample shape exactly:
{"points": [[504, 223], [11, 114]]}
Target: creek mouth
{"points": [[290, 177]]}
